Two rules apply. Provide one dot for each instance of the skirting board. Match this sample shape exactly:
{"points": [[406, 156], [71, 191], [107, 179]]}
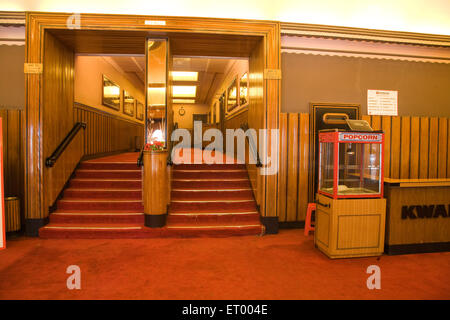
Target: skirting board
{"points": [[32, 226], [417, 248]]}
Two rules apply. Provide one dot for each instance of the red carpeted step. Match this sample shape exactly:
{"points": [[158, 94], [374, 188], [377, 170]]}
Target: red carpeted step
{"points": [[208, 184], [213, 230], [106, 183], [213, 217], [212, 206], [85, 193], [104, 201], [212, 194], [108, 166], [80, 217], [136, 231], [108, 174], [98, 231], [214, 166], [100, 204], [210, 174]]}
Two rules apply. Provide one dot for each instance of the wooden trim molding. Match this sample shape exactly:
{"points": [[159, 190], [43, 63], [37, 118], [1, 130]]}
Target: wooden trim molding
{"points": [[363, 49], [302, 29]]}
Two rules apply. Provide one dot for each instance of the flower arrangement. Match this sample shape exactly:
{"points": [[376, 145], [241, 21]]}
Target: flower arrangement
{"points": [[154, 146]]}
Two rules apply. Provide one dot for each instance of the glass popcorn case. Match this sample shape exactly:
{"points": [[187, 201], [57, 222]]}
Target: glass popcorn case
{"points": [[351, 164]]}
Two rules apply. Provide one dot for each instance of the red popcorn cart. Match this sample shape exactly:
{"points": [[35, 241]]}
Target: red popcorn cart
{"points": [[351, 164], [350, 208]]}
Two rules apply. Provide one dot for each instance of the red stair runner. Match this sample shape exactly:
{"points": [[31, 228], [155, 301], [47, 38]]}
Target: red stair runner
{"points": [[104, 200]]}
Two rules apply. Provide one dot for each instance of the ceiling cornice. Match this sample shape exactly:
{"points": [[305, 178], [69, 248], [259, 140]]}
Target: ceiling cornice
{"points": [[324, 31], [12, 18]]}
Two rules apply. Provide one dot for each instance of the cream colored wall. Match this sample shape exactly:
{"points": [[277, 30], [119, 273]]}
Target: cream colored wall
{"points": [[89, 85], [186, 121], [237, 69]]}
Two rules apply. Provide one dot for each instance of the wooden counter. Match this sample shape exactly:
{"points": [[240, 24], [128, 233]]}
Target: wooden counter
{"points": [[418, 215]]}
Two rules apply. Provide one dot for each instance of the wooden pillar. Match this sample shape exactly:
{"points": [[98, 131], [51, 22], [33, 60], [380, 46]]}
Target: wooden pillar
{"points": [[156, 188]]}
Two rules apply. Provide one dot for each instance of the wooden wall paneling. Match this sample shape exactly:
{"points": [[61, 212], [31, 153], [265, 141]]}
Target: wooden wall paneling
{"points": [[442, 148], [415, 148], [282, 172], [448, 148], [256, 117], [106, 133], [405, 147], [376, 122], [395, 147], [293, 166], [386, 126], [433, 148], [57, 115], [13, 155], [303, 170], [424, 143]]}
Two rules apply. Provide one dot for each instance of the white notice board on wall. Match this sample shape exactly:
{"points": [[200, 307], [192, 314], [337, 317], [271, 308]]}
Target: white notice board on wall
{"points": [[2, 206], [382, 102]]}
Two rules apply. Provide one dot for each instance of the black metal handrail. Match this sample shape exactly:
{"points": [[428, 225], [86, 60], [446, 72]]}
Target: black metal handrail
{"points": [[50, 161], [252, 146], [140, 163], [169, 156]]}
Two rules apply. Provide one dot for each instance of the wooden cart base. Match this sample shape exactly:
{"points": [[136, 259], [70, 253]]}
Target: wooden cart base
{"points": [[348, 228]]}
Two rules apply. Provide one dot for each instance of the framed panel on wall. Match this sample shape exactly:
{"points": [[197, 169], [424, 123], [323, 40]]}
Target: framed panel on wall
{"points": [[110, 94], [139, 110], [128, 104], [232, 96]]}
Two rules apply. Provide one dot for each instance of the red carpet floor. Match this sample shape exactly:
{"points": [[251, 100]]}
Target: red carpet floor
{"points": [[283, 266], [104, 201]]}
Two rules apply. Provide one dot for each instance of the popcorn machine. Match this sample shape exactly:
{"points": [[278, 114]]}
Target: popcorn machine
{"points": [[350, 214], [351, 164]]}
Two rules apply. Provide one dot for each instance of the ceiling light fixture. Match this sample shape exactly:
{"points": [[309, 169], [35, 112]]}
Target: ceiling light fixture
{"points": [[176, 101], [184, 91], [184, 76]]}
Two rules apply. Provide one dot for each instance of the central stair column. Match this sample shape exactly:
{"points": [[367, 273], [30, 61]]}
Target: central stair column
{"points": [[156, 186]]}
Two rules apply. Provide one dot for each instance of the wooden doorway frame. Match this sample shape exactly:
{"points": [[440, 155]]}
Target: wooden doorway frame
{"points": [[264, 111]]}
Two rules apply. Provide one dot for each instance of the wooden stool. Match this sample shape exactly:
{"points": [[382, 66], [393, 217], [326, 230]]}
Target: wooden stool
{"points": [[308, 227]]}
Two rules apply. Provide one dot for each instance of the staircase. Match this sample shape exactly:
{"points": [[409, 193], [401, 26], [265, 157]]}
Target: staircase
{"points": [[103, 200], [212, 200]]}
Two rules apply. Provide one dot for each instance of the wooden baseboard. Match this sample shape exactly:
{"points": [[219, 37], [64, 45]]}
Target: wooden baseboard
{"points": [[417, 248], [271, 224], [292, 225]]}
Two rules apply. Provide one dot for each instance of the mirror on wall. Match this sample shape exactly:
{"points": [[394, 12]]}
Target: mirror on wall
{"points": [[156, 110], [110, 94]]}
